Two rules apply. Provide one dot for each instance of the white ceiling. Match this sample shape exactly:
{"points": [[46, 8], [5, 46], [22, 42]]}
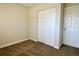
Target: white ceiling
{"points": [[29, 4]]}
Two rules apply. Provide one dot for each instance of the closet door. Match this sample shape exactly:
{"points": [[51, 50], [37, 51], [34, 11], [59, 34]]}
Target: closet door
{"points": [[46, 26]]}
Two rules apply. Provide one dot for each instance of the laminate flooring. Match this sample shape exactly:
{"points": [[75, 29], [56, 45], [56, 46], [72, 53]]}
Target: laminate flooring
{"points": [[32, 48]]}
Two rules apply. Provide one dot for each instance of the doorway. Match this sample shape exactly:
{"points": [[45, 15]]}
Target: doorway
{"points": [[71, 26]]}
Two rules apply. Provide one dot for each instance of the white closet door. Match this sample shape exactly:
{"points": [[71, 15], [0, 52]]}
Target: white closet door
{"points": [[71, 25], [46, 26]]}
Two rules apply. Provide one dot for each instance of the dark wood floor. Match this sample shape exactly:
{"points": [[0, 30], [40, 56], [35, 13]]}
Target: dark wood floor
{"points": [[31, 48]]}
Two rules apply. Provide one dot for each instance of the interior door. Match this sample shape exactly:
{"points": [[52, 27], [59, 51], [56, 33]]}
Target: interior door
{"points": [[71, 26], [46, 26]]}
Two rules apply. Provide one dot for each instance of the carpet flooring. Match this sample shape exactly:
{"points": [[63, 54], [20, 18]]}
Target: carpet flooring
{"points": [[31, 48]]}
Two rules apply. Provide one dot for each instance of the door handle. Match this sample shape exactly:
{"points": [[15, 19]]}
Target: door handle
{"points": [[64, 28]]}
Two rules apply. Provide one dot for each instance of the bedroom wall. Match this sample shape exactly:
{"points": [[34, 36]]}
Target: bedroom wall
{"points": [[13, 23]]}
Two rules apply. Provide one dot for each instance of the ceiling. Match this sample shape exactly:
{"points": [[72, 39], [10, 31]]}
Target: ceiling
{"points": [[29, 4]]}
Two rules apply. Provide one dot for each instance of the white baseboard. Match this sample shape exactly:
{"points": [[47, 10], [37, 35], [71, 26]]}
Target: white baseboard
{"points": [[56, 47], [33, 39], [9, 44]]}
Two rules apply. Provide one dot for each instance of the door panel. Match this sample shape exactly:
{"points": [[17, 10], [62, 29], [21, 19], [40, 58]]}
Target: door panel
{"points": [[46, 26], [71, 25]]}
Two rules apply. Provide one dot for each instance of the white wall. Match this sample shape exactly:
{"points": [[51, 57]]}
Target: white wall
{"points": [[33, 21], [13, 23]]}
